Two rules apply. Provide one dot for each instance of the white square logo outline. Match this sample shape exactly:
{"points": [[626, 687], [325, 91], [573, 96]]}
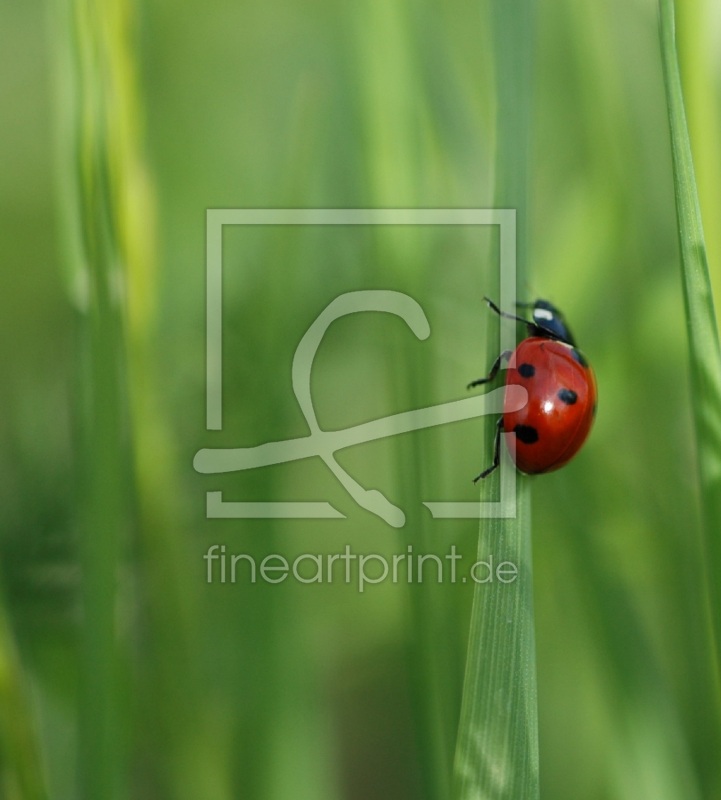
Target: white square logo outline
{"points": [[206, 460]]}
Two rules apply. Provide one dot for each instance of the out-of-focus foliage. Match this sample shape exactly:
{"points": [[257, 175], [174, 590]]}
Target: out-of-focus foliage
{"points": [[317, 690]]}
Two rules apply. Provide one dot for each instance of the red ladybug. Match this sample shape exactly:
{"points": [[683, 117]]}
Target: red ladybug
{"points": [[562, 396]]}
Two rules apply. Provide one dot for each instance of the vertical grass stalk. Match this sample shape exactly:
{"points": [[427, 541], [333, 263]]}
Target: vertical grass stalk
{"points": [[497, 748], [696, 49], [89, 216], [22, 773], [704, 350], [128, 460]]}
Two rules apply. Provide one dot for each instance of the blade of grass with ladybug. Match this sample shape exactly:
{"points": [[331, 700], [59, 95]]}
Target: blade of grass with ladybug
{"points": [[497, 747]]}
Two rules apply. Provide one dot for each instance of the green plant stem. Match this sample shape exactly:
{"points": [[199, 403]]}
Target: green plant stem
{"points": [[696, 46], [22, 774], [704, 350], [497, 748], [104, 496]]}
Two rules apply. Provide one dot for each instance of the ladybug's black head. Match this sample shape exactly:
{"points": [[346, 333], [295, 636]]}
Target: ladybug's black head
{"points": [[549, 321]]}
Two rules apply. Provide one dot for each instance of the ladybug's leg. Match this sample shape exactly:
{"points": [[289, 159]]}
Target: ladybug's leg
{"points": [[496, 453], [494, 370]]}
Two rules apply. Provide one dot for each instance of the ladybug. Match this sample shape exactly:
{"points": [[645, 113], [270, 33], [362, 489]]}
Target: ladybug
{"points": [[562, 396]]}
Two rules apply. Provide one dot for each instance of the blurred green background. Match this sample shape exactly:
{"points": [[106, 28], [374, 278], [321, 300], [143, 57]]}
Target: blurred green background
{"points": [[319, 691]]}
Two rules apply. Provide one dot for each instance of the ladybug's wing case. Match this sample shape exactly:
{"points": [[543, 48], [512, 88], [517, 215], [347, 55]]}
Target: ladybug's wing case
{"points": [[557, 418]]}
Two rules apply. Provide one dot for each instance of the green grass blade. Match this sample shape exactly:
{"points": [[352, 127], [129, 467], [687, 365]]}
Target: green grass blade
{"points": [[696, 48], [128, 463], [704, 350], [497, 748], [497, 752], [22, 773], [104, 457]]}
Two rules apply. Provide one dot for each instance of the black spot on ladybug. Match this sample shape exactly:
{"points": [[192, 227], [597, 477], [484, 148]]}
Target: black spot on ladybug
{"points": [[568, 396], [526, 370], [526, 433], [578, 355]]}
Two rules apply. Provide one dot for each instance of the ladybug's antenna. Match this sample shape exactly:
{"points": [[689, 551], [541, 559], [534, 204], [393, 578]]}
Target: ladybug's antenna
{"points": [[505, 313], [534, 328]]}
